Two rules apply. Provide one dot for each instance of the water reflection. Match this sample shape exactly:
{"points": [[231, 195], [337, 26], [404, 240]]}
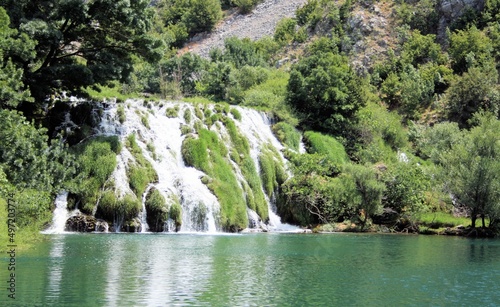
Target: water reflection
{"points": [[259, 269]]}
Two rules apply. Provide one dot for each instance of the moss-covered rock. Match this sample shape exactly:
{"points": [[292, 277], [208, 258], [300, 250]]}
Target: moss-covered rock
{"points": [[157, 210]]}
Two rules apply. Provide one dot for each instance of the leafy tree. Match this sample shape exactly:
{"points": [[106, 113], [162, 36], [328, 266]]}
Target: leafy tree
{"points": [[325, 92], [477, 89], [469, 48], [406, 184], [285, 31], [13, 45], [472, 167], [365, 190], [438, 140], [241, 52], [81, 43], [202, 15]]}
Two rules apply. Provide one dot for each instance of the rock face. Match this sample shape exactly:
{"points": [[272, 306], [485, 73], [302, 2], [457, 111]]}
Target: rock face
{"points": [[259, 23], [450, 10], [85, 223], [81, 223]]}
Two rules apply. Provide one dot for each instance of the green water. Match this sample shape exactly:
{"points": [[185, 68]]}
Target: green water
{"points": [[256, 270]]}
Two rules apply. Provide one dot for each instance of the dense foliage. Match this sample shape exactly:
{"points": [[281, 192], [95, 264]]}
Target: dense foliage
{"points": [[412, 130]]}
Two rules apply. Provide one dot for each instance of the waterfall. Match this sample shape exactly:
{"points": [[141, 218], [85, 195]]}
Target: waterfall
{"points": [[160, 129], [143, 215], [256, 127], [60, 215]]}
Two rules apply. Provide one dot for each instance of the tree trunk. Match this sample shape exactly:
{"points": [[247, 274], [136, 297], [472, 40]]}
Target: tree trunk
{"points": [[482, 220]]}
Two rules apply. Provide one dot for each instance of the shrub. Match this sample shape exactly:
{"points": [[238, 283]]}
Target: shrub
{"points": [[287, 134], [326, 145], [121, 114]]}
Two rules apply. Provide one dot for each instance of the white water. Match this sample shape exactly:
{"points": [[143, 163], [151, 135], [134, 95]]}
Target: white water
{"points": [[60, 215], [256, 127], [160, 139], [143, 215], [175, 180]]}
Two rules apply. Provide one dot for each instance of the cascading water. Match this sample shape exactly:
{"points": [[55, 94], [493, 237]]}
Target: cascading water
{"points": [[60, 215], [256, 127], [160, 129], [143, 215]]}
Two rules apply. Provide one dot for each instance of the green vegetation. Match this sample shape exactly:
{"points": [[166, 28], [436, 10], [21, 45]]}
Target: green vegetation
{"points": [[175, 212], [326, 145], [224, 183], [96, 161], [432, 95], [288, 135], [240, 150], [140, 172]]}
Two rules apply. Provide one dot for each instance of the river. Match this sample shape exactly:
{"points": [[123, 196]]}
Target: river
{"points": [[272, 269]]}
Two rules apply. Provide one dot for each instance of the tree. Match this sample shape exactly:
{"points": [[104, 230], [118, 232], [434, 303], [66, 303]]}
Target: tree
{"points": [[81, 43], [365, 190], [406, 184], [472, 167], [13, 45], [202, 15], [477, 89], [469, 48], [326, 93]]}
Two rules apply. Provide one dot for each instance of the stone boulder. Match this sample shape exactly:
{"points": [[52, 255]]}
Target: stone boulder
{"points": [[81, 223]]}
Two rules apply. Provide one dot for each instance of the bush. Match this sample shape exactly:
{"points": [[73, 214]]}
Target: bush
{"points": [[288, 135], [326, 145], [285, 31]]}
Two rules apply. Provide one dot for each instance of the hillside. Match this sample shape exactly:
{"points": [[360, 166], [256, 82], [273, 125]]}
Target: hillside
{"points": [[378, 105]]}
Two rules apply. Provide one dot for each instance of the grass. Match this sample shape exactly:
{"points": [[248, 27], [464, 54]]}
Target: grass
{"points": [[25, 236], [172, 112], [140, 172], [224, 183], [272, 172], [187, 116], [326, 145], [288, 135], [121, 114], [96, 162], [145, 121], [105, 92], [175, 211], [437, 220], [157, 210], [240, 154]]}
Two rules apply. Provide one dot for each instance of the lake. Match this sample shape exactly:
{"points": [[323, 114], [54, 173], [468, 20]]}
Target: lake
{"points": [[267, 269]]}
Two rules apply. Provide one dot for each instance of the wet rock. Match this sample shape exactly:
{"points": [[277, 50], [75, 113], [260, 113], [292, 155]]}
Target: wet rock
{"points": [[388, 216], [81, 223]]}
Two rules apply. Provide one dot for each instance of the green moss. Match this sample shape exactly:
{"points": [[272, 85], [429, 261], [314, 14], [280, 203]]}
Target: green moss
{"points": [[157, 210], [198, 112], [96, 162], [172, 112], [272, 171], [175, 212], [287, 134], [111, 207], [140, 172], [151, 148], [224, 183], [145, 121], [121, 114], [187, 116], [326, 145], [186, 129], [236, 114]]}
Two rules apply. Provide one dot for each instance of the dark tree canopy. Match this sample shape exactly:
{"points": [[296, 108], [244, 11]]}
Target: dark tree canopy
{"points": [[80, 43], [326, 92]]}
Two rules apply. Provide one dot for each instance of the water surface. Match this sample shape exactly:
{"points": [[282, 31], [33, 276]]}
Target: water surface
{"points": [[257, 270]]}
